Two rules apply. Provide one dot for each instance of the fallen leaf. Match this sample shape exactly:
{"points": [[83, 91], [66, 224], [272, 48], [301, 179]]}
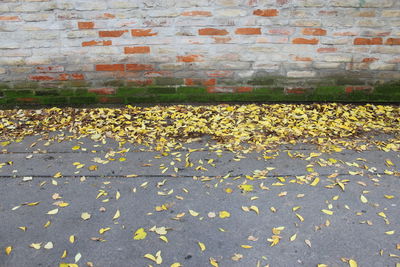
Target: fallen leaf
{"points": [[71, 239], [363, 199], [117, 215], [103, 230], [176, 264], [193, 213], [352, 263], [140, 234], [202, 246], [77, 257], [8, 250], [329, 212], [49, 245], [293, 237], [85, 216], [36, 245], [315, 182], [52, 212], [157, 258], [224, 214], [213, 262], [255, 209], [237, 257], [308, 242]]}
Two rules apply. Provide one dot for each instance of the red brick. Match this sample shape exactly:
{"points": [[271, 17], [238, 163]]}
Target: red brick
{"points": [[137, 50], [244, 89], [110, 67], [50, 69], [41, 78], [111, 100], [222, 40], [314, 31], [326, 50], [220, 73], [85, 25], [112, 33], [393, 41], [93, 43], [303, 58], [296, 90], [102, 91], [313, 41], [197, 13], [189, 81], [77, 76], [248, 31], [345, 33], [367, 41], [282, 2], [212, 31], [369, 59], [281, 31], [220, 89], [143, 33], [138, 67], [189, 58], [63, 77], [365, 88], [328, 12], [210, 82], [27, 100], [10, 18], [266, 12], [141, 82], [108, 16]]}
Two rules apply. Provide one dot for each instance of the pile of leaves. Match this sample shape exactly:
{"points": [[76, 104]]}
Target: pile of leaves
{"points": [[330, 126]]}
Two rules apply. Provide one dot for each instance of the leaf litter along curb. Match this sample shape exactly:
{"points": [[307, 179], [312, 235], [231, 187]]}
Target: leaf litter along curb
{"points": [[260, 126], [238, 128]]}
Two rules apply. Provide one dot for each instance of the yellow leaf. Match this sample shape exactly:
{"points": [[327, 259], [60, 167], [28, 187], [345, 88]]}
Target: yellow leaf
{"points": [[131, 175], [300, 217], [246, 246], [315, 182], [76, 147], [117, 215], [224, 214], [93, 168], [363, 199], [64, 255], [213, 262], [329, 212], [390, 232], [122, 159], [47, 224], [72, 239], [140, 234], [52, 212], [193, 213], [255, 209], [389, 196], [202, 246], [322, 265], [49, 245], [382, 214], [352, 263], [23, 228], [246, 187], [157, 258], [8, 250], [117, 195], [35, 245], [33, 203], [85, 216], [176, 264], [103, 230], [63, 204], [164, 238], [293, 237], [57, 175]]}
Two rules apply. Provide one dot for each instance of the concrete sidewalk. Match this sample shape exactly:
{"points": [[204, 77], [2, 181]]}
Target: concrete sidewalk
{"points": [[199, 206]]}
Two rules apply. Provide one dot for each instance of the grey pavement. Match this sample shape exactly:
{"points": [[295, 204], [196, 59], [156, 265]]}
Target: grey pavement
{"points": [[187, 199]]}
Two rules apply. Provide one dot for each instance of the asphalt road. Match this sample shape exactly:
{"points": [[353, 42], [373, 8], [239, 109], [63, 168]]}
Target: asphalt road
{"points": [[264, 199]]}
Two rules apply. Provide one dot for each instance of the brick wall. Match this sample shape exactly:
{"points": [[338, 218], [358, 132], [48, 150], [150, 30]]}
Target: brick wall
{"points": [[224, 45]]}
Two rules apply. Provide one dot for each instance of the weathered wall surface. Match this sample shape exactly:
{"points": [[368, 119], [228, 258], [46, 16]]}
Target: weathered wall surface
{"points": [[224, 45]]}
